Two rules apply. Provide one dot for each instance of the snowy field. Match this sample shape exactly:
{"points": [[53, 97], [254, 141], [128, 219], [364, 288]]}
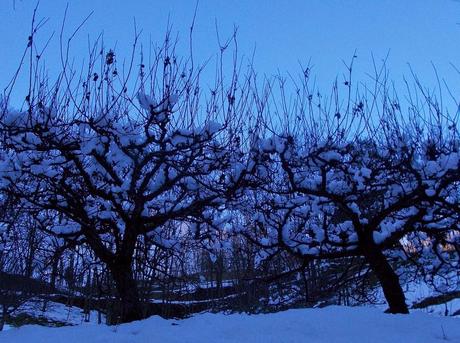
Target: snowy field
{"points": [[327, 325]]}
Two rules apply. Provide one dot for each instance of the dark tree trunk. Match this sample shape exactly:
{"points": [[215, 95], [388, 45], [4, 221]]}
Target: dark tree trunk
{"points": [[305, 285], [388, 279], [119, 265], [130, 306], [29, 267], [54, 272]]}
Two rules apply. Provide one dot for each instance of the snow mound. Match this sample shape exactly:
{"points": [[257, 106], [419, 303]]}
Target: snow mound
{"points": [[332, 325], [56, 312]]}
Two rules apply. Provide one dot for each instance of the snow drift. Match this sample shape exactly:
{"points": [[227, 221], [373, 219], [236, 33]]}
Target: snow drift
{"points": [[332, 325]]}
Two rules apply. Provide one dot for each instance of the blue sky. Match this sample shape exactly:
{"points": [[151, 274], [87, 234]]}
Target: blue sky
{"points": [[283, 33]]}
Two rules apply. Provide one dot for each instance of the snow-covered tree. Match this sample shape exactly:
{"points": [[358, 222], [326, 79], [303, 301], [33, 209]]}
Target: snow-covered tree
{"points": [[106, 167], [365, 183]]}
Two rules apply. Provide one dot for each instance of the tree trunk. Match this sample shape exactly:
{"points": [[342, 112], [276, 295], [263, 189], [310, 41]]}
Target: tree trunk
{"points": [[54, 270], [29, 267], [130, 306], [388, 279]]}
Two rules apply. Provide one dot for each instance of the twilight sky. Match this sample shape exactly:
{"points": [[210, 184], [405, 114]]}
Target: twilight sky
{"points": [[283, 33]]}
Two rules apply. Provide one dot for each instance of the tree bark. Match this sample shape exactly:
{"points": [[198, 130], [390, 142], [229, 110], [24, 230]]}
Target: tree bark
{"points": [[119, 265], [388, 279], [130, 306]]}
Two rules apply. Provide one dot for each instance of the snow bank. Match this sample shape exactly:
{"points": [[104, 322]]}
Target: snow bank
{"points": [[332, 325], [57, 312]]}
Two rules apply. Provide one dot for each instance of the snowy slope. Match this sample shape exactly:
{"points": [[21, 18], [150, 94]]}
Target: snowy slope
{"points": [[328, 325], [57, 312]]}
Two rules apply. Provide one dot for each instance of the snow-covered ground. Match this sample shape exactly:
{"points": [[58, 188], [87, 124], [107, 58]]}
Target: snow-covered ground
{"points": [[55, 312], [417, 291], [328, 325]]}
